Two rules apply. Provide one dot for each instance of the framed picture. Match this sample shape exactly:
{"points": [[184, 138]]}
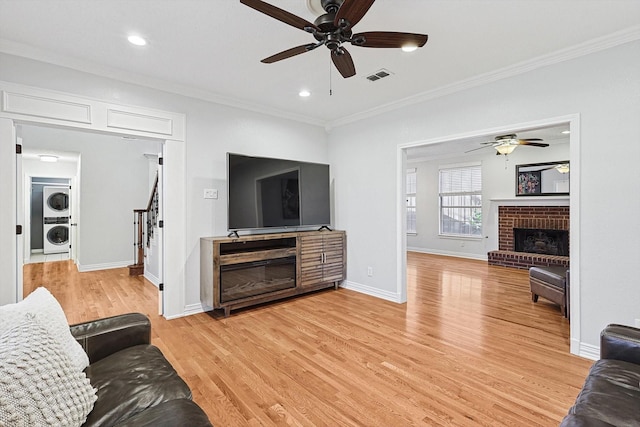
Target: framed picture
{"points": [[543, 179]]}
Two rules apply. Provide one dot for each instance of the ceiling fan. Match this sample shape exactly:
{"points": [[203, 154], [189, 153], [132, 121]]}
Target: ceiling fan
{"points": [[505, 144], [335, 28]]}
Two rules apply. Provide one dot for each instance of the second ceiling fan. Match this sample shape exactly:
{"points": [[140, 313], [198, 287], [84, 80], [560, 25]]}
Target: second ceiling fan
{"points": [[334, 28], [505, 144]]}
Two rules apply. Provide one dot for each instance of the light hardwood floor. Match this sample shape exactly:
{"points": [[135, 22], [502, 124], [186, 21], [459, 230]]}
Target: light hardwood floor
{"points": [[469, 348]]}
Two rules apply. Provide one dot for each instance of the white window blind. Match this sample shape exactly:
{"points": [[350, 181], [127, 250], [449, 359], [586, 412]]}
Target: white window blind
{"points": [[461, 201]]}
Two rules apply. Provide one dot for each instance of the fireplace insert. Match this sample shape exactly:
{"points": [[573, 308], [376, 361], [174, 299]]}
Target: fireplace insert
{"points": [[541, 241], [251, 279]]}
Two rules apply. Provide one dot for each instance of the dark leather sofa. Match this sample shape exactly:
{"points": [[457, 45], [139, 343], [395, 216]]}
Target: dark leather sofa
{"points": [[136, 385], [611, 393]]}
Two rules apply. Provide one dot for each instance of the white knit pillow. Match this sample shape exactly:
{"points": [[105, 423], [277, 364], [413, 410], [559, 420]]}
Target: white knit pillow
{"points": [[48, 311], [39, 386]]}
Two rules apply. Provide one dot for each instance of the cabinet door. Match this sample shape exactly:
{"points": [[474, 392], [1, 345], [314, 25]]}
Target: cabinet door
{"points": [[333, 267], [322, 258], [311, 257]]}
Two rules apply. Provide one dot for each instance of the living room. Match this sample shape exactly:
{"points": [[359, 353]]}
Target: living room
{"points": [[594, 87]]}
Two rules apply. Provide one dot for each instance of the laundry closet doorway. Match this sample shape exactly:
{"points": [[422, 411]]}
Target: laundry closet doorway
{"points": [[49, 209], [109, 176]]}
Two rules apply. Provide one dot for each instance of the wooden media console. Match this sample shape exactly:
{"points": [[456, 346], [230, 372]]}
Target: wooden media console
{"points": [[238, 272]]}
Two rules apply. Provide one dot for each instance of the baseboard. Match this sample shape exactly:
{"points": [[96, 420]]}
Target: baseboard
{"points": [[193, 309], [448, 253], [153, 279], [374, 292], [589, 351], [189, 310], [105, 266]]}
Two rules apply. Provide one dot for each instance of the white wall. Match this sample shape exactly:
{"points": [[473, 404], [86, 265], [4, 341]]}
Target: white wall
{"points": [[498, 182], [113, 182], [212, 131], [603, 88]]}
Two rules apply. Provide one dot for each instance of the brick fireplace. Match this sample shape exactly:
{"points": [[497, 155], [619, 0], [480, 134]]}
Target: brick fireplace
{"points": [[543, 218]]}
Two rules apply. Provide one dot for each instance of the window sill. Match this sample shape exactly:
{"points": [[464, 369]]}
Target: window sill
{"points": [[459, 237]]}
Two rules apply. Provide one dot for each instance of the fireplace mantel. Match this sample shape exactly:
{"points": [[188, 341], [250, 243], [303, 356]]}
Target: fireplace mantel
{"points": [[532, 201]]}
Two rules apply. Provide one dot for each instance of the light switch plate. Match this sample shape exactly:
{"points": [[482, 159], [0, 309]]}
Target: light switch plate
{"points": [[210, 193]]}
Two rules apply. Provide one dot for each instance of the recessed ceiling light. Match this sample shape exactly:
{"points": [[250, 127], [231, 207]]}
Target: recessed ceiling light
{"points": [[137, 40], [566, 132], [304, 93], [409, 48], [48, 158]]}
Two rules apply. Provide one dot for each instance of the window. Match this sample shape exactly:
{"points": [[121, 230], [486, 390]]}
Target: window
{"points": [[411, 200], [461, 201]]}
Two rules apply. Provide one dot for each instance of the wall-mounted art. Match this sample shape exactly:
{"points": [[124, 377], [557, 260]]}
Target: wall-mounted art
{"points": [[543, 179]]}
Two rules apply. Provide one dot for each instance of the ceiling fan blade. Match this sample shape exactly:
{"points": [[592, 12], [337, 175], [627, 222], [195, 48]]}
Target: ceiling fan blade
{"points": [[289, 53], [533, 144], [279, 14], [343, 62], [531, 139], [475, 149], [352, 11], [388, 39]]}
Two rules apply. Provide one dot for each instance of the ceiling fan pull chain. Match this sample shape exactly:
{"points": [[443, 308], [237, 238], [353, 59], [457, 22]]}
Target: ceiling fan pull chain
{"points": [[330, 79]]}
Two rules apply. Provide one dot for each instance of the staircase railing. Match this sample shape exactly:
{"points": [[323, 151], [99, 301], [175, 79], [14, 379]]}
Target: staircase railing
{"points": [[151, 212]]}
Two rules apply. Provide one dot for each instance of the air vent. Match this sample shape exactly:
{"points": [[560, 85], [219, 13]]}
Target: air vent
{"points": [[380, 74]]}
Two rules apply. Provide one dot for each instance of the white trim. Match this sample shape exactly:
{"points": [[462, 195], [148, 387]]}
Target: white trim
{"points": [[587, 48], [574, 226], [476, 257], [193, 309], [533, 201], [104, 266], [588, 351], [374, 292], [155, 281], [26, 51], [592, 46], [9, 292], [188, 311], [401, 226]]}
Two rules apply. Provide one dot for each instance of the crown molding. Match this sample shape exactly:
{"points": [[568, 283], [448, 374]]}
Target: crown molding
{"points": [[596, 45], [29, 52], [602, 43]]}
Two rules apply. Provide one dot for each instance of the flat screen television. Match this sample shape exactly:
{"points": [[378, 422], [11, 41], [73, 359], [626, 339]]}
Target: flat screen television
{"points": [[266, 193]]}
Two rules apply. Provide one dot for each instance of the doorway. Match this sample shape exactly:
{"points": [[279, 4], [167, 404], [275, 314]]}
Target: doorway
{"points": [[48, 210], [106, 178], [440, 151]]}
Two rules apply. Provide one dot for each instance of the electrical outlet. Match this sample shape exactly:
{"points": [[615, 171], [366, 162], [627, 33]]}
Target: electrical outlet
{"points": [[210, 193], [369, 271]]}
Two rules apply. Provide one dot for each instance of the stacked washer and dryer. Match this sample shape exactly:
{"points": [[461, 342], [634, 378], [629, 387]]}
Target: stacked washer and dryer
{"points": [[55, 213]]}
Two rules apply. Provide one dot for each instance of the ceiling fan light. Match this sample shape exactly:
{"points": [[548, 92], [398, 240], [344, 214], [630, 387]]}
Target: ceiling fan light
{"points": [[409, 48], [136, 40], [505, 148], [563, 168], [48, 158]]}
